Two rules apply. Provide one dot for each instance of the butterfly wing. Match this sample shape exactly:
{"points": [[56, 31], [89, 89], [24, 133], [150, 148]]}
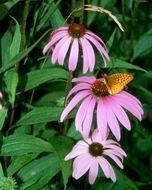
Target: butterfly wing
{"points": [[117, 82]]}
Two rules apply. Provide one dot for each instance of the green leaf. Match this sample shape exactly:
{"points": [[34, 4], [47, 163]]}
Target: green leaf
{"points": [[122, 183], [62, 146], [11, 81], [41, 115], [21, 55], [37, 77], [49, 12], [38, 173], [15, 46], [19, 162], [143, 45], [56, 18], [144, 93], [5, 44], [16, 145], [1, 171], [117, 63], [111, 39], [3, 114]]}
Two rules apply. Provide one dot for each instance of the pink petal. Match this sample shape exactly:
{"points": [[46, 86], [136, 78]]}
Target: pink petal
{"points": [[131, 96], [115, 149], [120, 156], [120, 114], [63, 51], [99, 47], [112, 173], [102, 118], [97, 38], [114, 158], [81, 113], [76, 151], [81, 165], [88, 118], [78, 87], [132, 101], [85, 56], [132, 108], [61, 29], [103, 164], [57, 49], [77, 98], [56, 37], [73, 59], [89, 53], [112, 120], [93, 171], [89, 80]]}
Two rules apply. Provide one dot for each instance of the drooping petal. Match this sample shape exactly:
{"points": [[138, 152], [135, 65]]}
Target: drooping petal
{"points": [[89, 53], [93, 171], [112, 173], [132, 108], [88, 118], [115, 148], [78, 87], [56, 37], [86, 79], [81, 165], [97, 38], [77, 98], [114, 158], [81, 113], [63, 51], [85, 56], [120, 114], [73, 59], [99, 47], [132, 101], [131, 96], [102, 118], [112, 120], [120, 156], [57, 49], [104, 166]]}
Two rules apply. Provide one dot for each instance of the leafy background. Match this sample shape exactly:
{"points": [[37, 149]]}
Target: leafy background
{"points": [[33, 142]]}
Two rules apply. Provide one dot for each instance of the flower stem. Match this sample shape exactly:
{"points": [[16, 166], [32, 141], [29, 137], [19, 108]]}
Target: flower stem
{"points": [[82, 12]]}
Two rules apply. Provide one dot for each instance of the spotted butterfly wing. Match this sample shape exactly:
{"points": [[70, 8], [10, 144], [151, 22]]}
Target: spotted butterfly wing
{"points": [[117, 82]]}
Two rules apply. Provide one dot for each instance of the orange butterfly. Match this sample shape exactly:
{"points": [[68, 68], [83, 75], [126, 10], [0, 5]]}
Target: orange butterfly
{"points": [[115, 83]]}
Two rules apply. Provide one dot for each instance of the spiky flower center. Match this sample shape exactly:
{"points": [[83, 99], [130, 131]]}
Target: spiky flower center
{"points": [[96, 149], [99, 88], [76, 30]]}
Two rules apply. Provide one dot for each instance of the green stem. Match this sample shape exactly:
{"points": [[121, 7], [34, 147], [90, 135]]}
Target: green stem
{"points": [[72, 8], [23, 25], [82, 12]]}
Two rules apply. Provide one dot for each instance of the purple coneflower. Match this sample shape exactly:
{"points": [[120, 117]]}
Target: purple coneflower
{"points": [[110, 109], [91, 153], [69, 38]]}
